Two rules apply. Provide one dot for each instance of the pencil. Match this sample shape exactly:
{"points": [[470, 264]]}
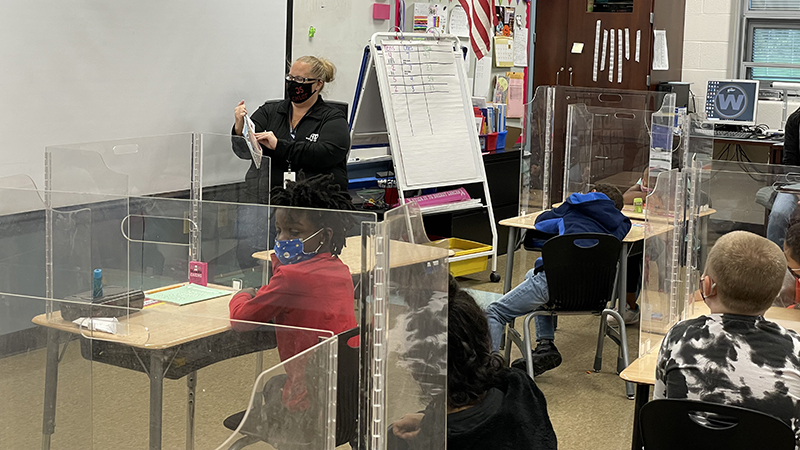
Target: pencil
{"points": [[166, 288]]}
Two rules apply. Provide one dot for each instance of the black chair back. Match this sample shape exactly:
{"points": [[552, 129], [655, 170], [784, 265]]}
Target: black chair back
{"points": [[669, 424], [347, 388], [341, 106], [581, 270]]}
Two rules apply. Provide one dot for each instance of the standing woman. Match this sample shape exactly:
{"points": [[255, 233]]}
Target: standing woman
{"points": [[300, 133]]}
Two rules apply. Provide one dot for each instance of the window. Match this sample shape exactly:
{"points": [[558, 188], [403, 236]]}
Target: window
{"points": [[771, 44]]}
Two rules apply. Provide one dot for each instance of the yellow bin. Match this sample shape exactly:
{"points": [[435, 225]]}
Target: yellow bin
{"points": [[463, 247]]}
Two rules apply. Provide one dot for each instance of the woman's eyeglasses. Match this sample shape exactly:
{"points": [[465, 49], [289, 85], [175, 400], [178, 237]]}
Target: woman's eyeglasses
{"points": [[301, 80]]}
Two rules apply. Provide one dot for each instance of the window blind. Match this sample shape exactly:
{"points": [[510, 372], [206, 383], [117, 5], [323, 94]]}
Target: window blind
{"points": [[767, 5], [777, 46]]}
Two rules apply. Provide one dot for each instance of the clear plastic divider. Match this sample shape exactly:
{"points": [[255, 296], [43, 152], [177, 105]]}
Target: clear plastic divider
{"points": [[187, 165], [542, 164], [405, 323]]}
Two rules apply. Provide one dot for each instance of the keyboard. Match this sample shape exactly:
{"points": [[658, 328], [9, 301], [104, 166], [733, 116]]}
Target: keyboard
{"points": [[733, 134]]}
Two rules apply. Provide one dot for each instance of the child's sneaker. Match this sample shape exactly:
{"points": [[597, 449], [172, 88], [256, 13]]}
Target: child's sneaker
{"points": [[630, 316], [544, 357]]}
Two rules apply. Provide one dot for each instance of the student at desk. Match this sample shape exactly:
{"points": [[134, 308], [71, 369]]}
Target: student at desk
{"points": [[310, 286], [785, 204], [733, 355], [595, 212]]}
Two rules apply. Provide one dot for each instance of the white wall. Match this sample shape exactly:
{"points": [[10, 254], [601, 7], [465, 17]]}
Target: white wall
{"points": [[91, 70], [343, 29], [708, 46]]}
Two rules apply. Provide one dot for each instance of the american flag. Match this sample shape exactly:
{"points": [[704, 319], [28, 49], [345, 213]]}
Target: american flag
{"points": [[482, 20]]}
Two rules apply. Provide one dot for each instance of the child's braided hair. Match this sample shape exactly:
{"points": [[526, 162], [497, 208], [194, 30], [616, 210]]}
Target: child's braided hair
{"points": [[319, 192]]}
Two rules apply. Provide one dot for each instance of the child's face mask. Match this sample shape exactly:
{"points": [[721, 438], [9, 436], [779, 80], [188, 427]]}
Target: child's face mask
{"points": [[645, 189], [291, 251]]}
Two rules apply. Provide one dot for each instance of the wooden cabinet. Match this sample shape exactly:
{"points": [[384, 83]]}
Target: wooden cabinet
{"points": [[560, 24]]}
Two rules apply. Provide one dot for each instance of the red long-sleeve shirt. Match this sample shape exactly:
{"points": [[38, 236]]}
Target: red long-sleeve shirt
{"points": [[317, 294]]}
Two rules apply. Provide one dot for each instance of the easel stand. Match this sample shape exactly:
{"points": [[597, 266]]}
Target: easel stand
{"points": [[428, 117]]}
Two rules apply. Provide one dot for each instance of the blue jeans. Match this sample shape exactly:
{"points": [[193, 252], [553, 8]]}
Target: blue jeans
{"points": [[530, 295], [782, 210]]}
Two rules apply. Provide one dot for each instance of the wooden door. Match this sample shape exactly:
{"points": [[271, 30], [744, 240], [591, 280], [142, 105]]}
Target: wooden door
{"points": [[581, 29]]}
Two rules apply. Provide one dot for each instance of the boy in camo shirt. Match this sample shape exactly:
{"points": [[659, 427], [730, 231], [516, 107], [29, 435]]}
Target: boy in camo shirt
{"points": [[733, 355]]}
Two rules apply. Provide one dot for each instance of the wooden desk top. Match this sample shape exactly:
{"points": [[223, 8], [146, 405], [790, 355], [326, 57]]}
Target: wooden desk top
{"points": [[159, 326], [635, 234], [633, 215], [401, 254], [166, 325], [643, 369]]}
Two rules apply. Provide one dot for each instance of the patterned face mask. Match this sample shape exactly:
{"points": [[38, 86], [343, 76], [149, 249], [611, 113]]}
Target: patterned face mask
{"points": [[291, 251]]}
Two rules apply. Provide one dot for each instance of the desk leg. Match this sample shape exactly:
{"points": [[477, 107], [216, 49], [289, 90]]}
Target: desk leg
{"points": [[50, 388], [156, 399], [191, 386], [623, 278], [642, 397], [264, 272], [512, 245]]}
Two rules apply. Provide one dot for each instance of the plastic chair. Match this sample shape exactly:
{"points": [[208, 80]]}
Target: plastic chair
{"points": [[581, 271], [694, 425], [347, 376]]}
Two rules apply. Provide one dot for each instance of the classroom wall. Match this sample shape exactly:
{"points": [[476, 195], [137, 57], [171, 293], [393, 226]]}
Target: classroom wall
{"points": [[89, 70], [343, 29], [708, 53]]}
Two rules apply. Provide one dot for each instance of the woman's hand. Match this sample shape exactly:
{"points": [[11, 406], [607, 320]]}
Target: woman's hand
{"points": [[268, 139], [239, 114], [408, 426]]}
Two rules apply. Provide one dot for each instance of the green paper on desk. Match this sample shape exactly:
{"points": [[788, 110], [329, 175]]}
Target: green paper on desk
{"points": [[187, 294]]}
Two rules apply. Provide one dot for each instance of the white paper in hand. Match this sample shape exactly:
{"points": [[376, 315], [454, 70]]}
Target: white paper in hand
{"points": [[252, 143]]}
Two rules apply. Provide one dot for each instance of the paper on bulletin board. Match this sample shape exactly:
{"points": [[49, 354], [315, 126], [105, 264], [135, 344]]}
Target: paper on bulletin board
{"points": [[503, 51], [516, 93], [459, 23], [521, 47], [483, 77], [430, 15]]}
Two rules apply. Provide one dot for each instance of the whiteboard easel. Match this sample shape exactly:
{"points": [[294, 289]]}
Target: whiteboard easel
{"points": [[426, 113]]}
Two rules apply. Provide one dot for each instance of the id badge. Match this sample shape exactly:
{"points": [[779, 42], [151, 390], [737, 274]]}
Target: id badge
{"points": [[288, 176]]}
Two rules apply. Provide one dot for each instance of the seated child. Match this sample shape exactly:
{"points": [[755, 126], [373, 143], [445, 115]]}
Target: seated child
{"points": [[595, 212], [638, 190], [310, 286], [791, 250], [733, 355], [487, 404]]}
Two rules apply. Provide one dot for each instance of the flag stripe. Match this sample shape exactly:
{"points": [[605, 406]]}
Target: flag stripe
{"points": [[482, 20]]}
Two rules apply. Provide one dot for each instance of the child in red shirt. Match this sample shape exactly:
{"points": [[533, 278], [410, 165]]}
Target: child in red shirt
{"points": [[310, 286]]}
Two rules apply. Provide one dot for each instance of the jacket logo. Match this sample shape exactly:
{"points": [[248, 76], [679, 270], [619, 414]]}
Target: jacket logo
{"points": [[312, 137]]}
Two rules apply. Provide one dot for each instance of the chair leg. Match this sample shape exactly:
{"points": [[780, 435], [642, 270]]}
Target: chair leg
{"points": [[601, 335], [244, 442], [508, 342], [622, 359], [526, 340]]}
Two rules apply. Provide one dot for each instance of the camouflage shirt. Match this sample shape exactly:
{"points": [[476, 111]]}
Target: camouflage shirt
{"points": [[744, 361]]}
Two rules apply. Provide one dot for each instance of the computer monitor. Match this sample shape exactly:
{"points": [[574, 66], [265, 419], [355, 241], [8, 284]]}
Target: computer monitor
{"points": [[732, 102]]}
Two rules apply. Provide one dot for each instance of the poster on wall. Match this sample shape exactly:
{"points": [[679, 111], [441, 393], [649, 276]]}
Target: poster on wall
{"points": [[430, 15], [505, 21]]}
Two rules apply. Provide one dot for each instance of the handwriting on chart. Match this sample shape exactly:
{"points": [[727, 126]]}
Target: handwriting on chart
{"points": [[421, 76]]}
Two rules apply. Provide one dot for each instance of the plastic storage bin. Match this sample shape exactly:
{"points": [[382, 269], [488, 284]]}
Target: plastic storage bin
{"points": [[463, 247], [501, 141]]}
